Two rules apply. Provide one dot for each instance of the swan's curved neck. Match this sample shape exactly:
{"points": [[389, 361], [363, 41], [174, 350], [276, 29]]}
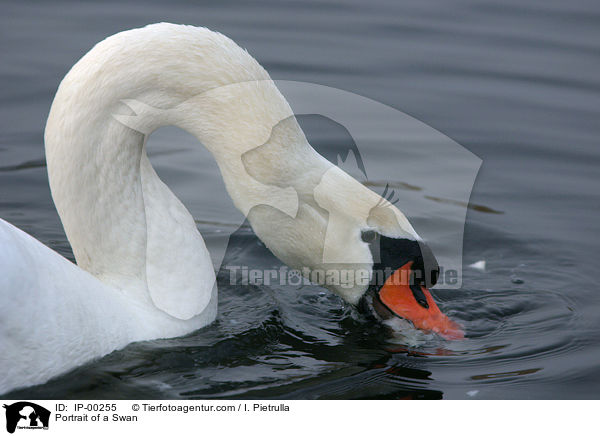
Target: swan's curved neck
{"points": [[124, 224]]}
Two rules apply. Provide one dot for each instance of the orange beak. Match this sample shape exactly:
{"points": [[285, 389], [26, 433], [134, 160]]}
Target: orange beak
{"points": [[397, 295]]}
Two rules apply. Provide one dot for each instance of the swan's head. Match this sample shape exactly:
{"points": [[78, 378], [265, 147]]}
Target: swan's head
{"points": [[403, 269], [351, 240], [399, 285]]}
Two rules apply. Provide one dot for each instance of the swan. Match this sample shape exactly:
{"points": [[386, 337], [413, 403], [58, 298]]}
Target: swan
{"points": [[143, 271]]}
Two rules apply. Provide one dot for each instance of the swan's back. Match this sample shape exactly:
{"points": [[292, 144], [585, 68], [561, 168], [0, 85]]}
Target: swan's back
{"points": [[50, 312]]}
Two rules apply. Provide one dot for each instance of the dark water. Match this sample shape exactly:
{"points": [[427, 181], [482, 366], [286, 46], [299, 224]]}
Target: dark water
{"points": [[514, 82]]}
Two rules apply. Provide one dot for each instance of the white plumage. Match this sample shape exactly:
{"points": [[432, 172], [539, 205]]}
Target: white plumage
{"points": [[143, 269]]}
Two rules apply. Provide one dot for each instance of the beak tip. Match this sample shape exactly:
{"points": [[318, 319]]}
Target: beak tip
{"points": [[402, 299], [452, 332]]}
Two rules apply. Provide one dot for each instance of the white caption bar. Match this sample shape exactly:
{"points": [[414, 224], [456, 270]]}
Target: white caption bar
{"points": [[171, 417]]}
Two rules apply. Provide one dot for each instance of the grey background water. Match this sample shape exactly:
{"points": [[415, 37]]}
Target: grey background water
{"points": [[514, 82]]}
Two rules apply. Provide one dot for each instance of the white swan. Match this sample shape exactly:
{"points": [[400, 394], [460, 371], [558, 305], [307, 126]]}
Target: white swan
{"points": [[143, 269]]}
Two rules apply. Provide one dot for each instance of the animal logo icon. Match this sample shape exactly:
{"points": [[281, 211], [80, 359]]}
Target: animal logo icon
{"points": [[27, 415]]}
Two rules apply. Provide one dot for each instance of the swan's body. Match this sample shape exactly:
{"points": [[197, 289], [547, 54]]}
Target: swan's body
{"points": [[56, 316], [143, 269]]}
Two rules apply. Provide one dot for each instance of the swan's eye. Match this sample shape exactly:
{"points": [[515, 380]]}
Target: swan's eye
{"points": [[368, 236]]}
